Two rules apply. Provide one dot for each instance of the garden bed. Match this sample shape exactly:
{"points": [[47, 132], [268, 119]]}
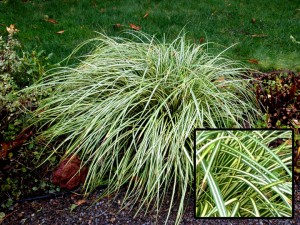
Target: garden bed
{"points": [[279, 91]]}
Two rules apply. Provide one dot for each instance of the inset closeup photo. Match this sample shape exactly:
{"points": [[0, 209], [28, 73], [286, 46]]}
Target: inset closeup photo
{"points": [[244, 173]]}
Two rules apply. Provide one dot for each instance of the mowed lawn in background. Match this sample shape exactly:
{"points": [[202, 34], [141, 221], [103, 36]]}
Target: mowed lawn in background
{"points": [[261, 29]]}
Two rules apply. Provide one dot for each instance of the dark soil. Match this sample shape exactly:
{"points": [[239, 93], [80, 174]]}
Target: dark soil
{"points": [[107, 211]]}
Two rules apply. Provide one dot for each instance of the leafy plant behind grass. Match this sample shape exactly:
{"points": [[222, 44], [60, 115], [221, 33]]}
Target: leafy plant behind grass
{"points": [[279, 94], [24, 67], [243, 174], [18, 68], [19, 154], [129, 108]]}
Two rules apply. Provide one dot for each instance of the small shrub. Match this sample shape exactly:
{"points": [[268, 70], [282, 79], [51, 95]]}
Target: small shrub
{"points": [[10, 62], [17, 162], [24, 67], [129, 109], [10, 104], [15, 73], [17, 175]]}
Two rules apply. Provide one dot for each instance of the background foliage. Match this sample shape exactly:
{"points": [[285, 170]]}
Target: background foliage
{"points": [[19, 152]]}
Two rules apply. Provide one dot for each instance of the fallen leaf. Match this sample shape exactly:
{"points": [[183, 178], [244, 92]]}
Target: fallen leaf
{"points": [[60, 32], [258, 35], [11, 29], [80, 202], [134, 27], [146, 15], [201, 40], [52, 21], [117, 25], [5, 147], [253, 61], [294, 40]]}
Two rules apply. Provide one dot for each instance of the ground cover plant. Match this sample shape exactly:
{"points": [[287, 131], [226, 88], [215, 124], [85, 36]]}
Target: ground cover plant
{"points": [[19, 152], [243, 173], [128, 109], [268, 32]]}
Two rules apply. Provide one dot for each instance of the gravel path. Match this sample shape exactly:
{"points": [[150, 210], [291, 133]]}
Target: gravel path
{"points": [[107, 211]]}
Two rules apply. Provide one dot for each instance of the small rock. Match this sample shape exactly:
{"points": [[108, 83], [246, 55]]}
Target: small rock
{"points": [[66, 175], [21, 215]]}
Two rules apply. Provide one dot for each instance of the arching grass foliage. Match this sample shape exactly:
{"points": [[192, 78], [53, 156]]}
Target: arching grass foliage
{"points": [[128, 109], [244, 173]]}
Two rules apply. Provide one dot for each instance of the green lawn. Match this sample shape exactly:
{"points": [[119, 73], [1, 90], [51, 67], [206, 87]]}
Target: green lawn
{"points": [[262, 29]]}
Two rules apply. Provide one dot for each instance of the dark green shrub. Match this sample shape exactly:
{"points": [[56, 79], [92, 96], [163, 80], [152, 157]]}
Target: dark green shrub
{"points": [[18, 175]]}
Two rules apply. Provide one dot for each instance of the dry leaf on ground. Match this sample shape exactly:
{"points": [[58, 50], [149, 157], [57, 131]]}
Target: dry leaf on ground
{"points": [[80, 202], [117, 25], [253, 61], [258, 35], [11, 29], [146, 15], [50, 20], [134, 27], [7, 146], [60, 32]]}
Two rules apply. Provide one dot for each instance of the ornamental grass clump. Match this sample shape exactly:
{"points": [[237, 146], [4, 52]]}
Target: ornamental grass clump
{"points": [[244, 173], [129, 107]]}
